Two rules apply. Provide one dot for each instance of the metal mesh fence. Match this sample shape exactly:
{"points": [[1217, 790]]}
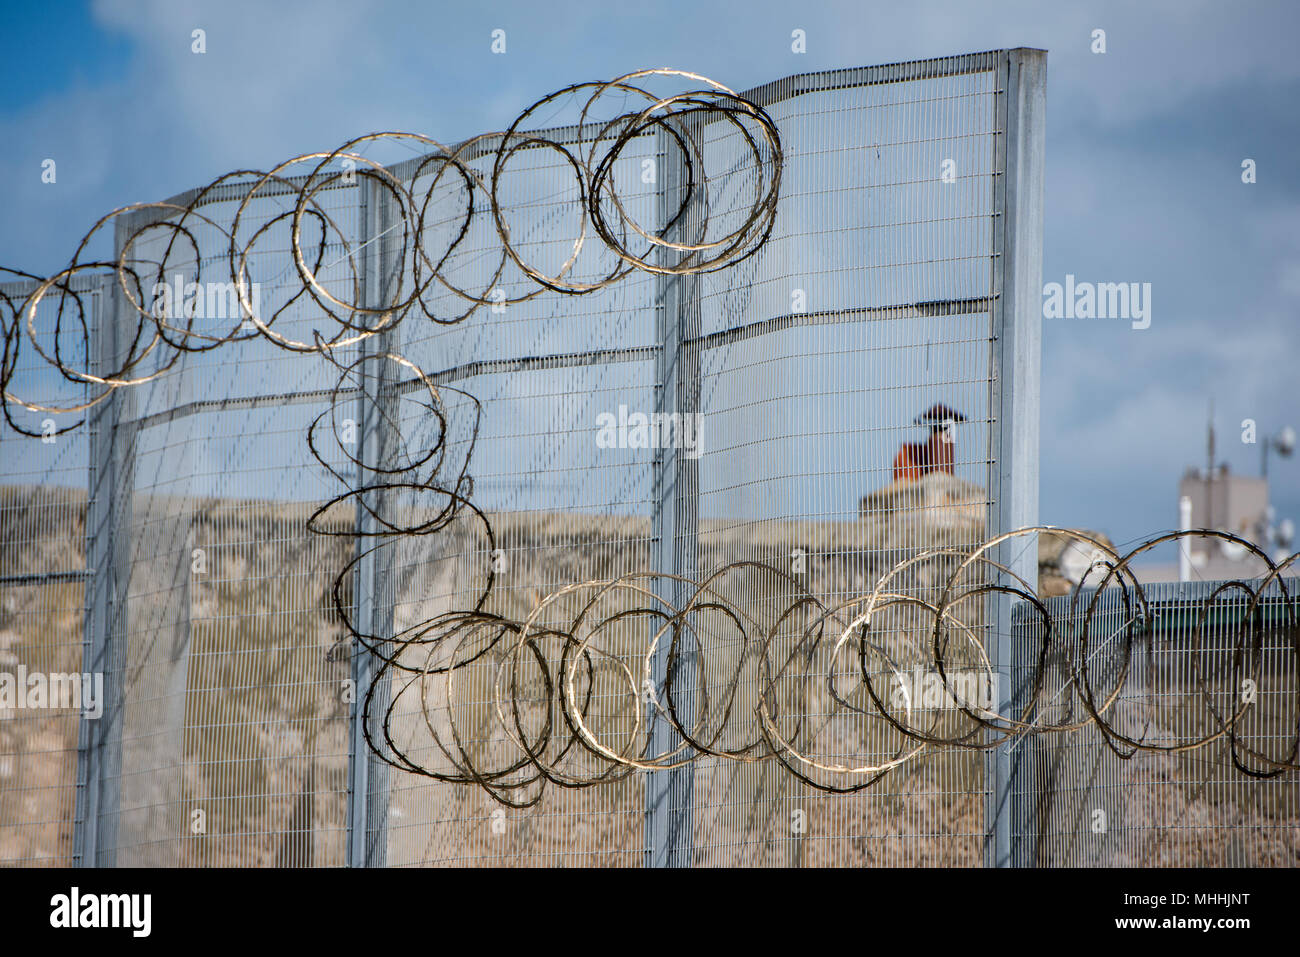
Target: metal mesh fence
{"points": [[198, 575]]}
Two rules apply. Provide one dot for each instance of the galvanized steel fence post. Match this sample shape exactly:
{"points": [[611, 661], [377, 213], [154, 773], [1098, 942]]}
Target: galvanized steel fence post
{"points": [[1017, 263], [373, 604], [669, 836], [111, 480]]}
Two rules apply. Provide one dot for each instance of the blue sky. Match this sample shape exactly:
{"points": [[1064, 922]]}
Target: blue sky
{"points": [[1144, 147]]}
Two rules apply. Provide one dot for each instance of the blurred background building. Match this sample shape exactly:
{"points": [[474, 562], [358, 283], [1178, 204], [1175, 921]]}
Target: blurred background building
{"points": [[1213, 497]]}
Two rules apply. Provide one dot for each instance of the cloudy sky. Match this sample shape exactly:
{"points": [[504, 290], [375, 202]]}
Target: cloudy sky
{"points": [[1144, 152]]}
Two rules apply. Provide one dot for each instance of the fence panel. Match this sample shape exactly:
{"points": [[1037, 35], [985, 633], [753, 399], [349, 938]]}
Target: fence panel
{"points": [[872, 302], [1177, 670], [42, 577]]}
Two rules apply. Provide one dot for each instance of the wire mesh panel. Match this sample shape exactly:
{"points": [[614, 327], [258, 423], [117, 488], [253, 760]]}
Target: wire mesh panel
{"points": [[1204, 676], [526, 378], [42, 577], [870, 304], [228, 740]]}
